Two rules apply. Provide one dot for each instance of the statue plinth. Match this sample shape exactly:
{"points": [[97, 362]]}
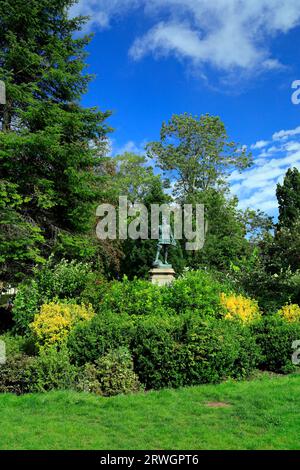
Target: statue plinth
{"points": [[162, 275]]}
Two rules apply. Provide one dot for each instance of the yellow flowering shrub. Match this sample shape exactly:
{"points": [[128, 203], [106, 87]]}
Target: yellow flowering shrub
{"points": [[55, 320], [290, 313], [240, 307]]}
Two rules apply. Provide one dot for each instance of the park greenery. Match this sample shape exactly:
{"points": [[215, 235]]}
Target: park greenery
{"points": [[85, 317]]}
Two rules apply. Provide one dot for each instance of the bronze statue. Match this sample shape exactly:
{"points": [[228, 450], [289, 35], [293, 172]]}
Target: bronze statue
{"points": [[165, 240]]}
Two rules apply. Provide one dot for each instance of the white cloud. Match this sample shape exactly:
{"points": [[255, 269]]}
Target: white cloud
{"points": [[227, 34], [256, 187], [283, 135], [259, 145], [130, 147]]}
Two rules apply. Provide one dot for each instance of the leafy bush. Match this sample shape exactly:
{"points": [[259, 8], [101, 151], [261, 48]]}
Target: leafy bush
{"points": [[54, 322], [52, 370], [290, 313], [219, 349], [158, 352], [240, 308], [90, 340], [195, 291], [15, 345], [275, 337], [88, 379], [111, 374], [185, 350], [26, 305], [137, 297], [64, 281], [15, 375]]}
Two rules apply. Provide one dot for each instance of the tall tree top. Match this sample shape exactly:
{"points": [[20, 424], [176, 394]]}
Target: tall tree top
{"points": [[198, 152], [288, 196]]}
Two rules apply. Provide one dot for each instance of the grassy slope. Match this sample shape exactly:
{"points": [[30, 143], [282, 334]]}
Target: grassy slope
{"points": [[264, 414]]}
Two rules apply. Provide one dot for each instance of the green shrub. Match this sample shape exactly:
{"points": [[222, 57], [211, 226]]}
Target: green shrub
{"points": [[15, 345], [15, 374], [115, 373], [218, 350], [275, 337], [26, 305], [137, 297], [185, 350], [64, 281], [195, 291], [91, 340], [158, 351], [52, 370], [88, 379]]}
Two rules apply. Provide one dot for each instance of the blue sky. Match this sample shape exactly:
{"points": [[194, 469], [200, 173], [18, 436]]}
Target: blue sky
{"points": [[232, 58]]}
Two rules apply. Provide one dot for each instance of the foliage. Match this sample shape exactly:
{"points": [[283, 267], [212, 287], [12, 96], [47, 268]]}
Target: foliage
{"points": [[64, 280], [91, 340], [288, 195], [240, 307], [20, 238], [225, 243], [14, 345], [15, 374], [88, 379], [47, 160], [26, 305], [177, 351], [219, 350], [54, 322], [198, 152], [290, 312], [158, 353], [275, 336], [52, 370], [197, 291], [115, 374], [136, 297]]}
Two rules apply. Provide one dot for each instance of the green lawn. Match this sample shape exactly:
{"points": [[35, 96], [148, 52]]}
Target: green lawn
{"points": [[263, 414]]}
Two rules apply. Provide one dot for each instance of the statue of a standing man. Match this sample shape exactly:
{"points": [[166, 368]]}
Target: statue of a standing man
{"points": [[165, 240]]}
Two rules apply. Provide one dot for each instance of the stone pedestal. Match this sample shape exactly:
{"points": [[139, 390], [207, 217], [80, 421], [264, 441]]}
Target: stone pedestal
{"points": [[162, 276]]}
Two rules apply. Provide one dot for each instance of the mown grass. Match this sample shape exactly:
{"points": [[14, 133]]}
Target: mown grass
{"points": [[263, 414]]}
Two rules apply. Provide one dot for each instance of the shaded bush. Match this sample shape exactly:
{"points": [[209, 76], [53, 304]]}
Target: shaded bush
{"points": [[158, 351], [275, 336], [90, 340], [52, 370], [111, 374], [6, 319], [15, 375], [176, 351]]}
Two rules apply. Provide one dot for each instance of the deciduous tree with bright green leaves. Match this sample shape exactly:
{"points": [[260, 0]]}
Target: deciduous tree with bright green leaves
{"points": [[198, 153]]}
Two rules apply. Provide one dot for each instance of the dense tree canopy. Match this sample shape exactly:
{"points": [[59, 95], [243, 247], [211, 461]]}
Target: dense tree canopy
{"points": [[49, 144]]}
